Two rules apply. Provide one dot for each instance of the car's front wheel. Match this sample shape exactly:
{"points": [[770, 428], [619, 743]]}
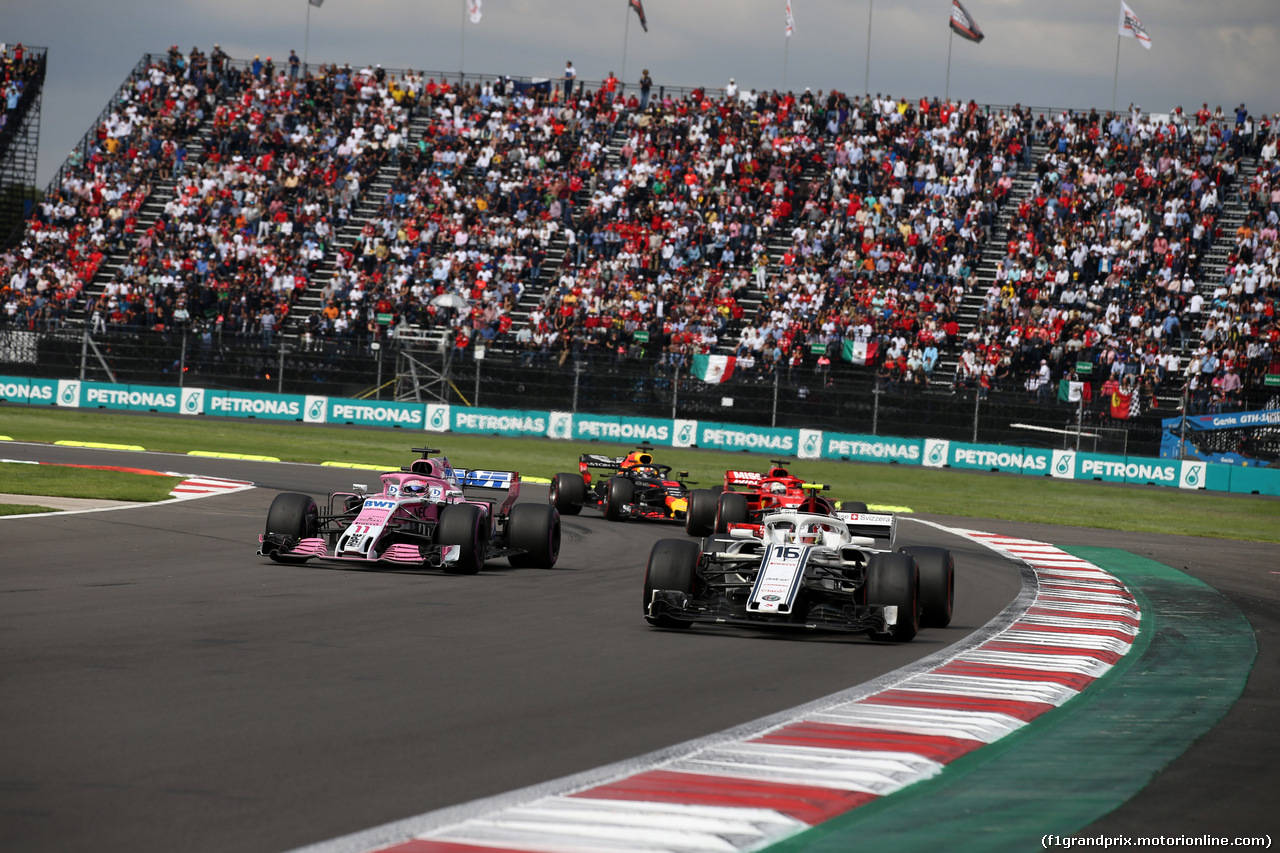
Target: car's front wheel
{"points": [[463, 525], [620, 492], [568, 493], [673, 565], [731, 509], [894, 579]]}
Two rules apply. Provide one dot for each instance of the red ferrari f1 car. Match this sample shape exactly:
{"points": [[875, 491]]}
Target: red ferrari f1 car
{"points": [[747, 496]]}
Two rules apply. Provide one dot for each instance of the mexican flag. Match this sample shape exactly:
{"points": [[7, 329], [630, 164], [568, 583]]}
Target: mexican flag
{"points": [[714, 368], [1069, 392], [861, 352]]}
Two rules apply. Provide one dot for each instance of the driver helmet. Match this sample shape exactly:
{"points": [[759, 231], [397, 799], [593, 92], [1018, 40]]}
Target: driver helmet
{"points": [[414, 487], [778, 488]]}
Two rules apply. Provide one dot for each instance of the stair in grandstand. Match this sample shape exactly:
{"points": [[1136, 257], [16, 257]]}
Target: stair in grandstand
{"points": [[535, 292], [163, 191], [347, 235], [1213, 267], [993, 251], [777, 242]]}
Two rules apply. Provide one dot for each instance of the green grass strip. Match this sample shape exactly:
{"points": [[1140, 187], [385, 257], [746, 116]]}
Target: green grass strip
{"points": [[68, 482], [23, 509], [1076, 763], [925, 490]]}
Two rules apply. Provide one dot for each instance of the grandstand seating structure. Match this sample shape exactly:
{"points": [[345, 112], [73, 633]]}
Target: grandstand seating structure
{"points": [[973, 248]]}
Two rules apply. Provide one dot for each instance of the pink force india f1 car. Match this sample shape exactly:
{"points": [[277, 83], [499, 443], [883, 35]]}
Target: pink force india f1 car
{"points": [[427, 515]]}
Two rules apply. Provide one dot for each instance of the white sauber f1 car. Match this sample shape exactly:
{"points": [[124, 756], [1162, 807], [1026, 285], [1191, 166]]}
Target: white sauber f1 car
{"points": [[802, 570]]}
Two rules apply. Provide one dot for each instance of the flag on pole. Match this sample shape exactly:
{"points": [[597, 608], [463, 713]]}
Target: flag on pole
{"points": [[714, 368], [964, 24], [1124, 405], [1131, 27], [317, 3], [1070, 392], [639, 7], [861, 352], [791, 22], [473, 10]]}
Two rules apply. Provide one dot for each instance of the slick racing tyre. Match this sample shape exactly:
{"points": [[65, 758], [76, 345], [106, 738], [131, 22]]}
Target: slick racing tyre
{"points": [[673, 565], [731, 509], [463, 525], [937, 584], [535, 529], [895, 579], [620, 492], [700, 520], [293, 515], [568, 493], [853, 506]]}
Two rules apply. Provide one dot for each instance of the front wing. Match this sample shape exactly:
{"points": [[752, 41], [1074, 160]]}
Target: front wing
{"points": [[286, 549], [851, 618]]}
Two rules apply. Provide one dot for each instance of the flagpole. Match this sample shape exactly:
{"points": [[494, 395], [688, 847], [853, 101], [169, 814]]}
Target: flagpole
{"points": [[1115, 79], [626, 34], [462, 32], [786, 49], [306, 43], [866, 74], [951, 37]]}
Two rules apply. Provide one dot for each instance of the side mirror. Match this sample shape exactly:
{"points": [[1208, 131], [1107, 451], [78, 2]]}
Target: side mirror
{"points": [[683, 475]]}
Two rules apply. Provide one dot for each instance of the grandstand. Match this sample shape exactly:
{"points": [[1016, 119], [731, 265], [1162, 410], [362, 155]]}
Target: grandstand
{"points": [[22, 88], [950, 249]]}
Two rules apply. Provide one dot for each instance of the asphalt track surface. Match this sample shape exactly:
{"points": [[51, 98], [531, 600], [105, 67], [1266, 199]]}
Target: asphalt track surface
{"points": [[163, 688]]}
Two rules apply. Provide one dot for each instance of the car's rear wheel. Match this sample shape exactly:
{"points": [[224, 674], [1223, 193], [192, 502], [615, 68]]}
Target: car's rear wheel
{"points": [[620, 492], [730, 509], [853, 506], [293, 515], [568, 493], [673, 565], [894, 579], [463, 525], [701, 517], [937, 584], [535, 529]]}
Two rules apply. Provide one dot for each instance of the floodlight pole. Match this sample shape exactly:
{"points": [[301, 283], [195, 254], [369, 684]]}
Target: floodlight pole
{"points": [[773, 418], [875, 407], [577, 373]]}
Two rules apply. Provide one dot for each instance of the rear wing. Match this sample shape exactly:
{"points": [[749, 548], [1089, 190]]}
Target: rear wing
{"points": [[743, 478], [877, 525], [595, 460], [486, 479], [587, 461]]}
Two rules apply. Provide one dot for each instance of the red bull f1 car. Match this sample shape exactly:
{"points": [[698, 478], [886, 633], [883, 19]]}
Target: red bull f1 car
{"points": [[635, 487], [426, 515], [748, 496], [802, 570]]}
